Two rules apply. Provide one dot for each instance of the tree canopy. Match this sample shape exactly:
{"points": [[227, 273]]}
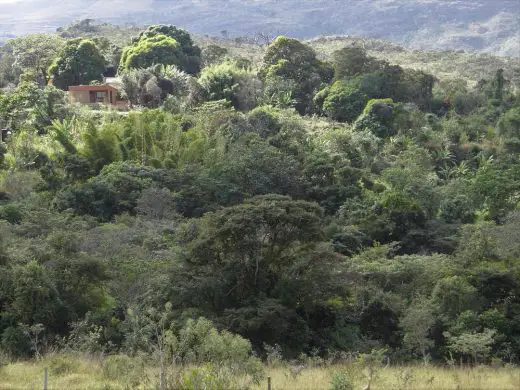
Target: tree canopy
{"points": [[250, 210], [79, 62], [35, 53], [291, 67], [162, 44]]}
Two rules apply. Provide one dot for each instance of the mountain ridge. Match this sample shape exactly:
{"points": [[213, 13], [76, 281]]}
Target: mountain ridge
{"points": [[472, 25]]}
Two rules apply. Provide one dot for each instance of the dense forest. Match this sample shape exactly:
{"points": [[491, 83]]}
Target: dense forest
{"points": [[289, 207]]}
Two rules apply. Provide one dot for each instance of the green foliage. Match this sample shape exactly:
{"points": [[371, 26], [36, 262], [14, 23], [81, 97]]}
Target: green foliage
{"points": [[497, 182], [79, 62], [35, 53], [114, 191], [15, 342], [377, 118], [227, 81], [351, 62], [199, 342], [162, 45], [213, 54], [30, 105], [475, 345], [340, 381], [212, 197], [9, 73], [343, 102], [418, 324], [399, 84], [509, 124], [35, 298], [158, 49], [459, 209], [296, 64], [153, 86], [11, 213], [236, 263]]}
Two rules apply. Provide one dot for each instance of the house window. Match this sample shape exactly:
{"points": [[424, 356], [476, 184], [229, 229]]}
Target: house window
{"points": [[100, 97]]}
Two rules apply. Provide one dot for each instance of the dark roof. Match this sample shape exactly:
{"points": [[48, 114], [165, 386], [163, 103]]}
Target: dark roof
{"points": [[91, 88]]}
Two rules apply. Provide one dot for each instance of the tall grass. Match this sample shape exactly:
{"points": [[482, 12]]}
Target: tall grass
{"points": [[400, 378], [97, 372]]}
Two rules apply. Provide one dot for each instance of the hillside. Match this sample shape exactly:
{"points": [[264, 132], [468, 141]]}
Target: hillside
{"points": [[482, 25], [337, 213], [445, 64]]}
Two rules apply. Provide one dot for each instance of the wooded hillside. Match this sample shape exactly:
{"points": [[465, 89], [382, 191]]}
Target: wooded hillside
{"points": [[310, 199]]}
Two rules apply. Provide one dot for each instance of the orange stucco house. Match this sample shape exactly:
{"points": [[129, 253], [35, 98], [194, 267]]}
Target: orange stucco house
{"points": [[92, 94]]}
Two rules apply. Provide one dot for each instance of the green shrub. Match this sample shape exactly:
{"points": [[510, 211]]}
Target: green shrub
{"points": [[344, 102], [15, 343], [265, 121], [340, 381], [200, 342], [457, 209], [226, 81], [207, 377], [377, 118], [11, 213]]}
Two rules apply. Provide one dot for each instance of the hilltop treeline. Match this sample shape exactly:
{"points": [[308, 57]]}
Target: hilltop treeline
{"points": [[307, 206]]}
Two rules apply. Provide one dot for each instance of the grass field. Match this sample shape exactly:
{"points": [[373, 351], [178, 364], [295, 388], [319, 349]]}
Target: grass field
{"points": [[68, 372], [402, 378]]}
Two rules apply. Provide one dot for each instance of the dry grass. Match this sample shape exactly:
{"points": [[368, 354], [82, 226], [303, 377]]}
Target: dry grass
{"points": [[402, 378], [71, 373], [83, 374]]}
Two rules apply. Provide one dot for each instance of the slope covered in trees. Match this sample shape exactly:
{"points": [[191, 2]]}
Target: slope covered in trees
{"points": [[307, 205], [483, 25]]}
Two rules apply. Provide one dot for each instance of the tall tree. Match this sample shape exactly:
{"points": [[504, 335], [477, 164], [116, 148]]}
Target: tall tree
{"points": [[35, 53], [292, 67], [260, 266], [353, 62], [162, 44], [79, 62]]}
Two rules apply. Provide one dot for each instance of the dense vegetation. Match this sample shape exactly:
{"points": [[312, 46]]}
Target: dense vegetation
{"points": [[306, 206], [490, 26]]}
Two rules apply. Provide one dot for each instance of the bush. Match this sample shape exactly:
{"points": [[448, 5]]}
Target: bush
{"points": [[207, 377], [15, 342], [377, 118], [228, 82], [265, 121], [114, 191], [344, 102], [19, 185], [458, 209], [11, 213], [200, 342], [340, 381]]}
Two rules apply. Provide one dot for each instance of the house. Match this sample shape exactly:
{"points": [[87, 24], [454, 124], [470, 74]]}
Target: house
{"points": [[92, 94]]}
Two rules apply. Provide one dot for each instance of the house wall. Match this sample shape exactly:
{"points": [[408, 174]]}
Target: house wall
{"points": [[83, 96], [79, 97]]}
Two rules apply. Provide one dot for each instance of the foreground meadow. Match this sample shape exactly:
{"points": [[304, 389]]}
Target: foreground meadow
{"points": [[67, 372]]}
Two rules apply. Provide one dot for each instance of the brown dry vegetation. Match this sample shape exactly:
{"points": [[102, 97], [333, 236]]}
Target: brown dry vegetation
{"points": [[88, 372]]}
